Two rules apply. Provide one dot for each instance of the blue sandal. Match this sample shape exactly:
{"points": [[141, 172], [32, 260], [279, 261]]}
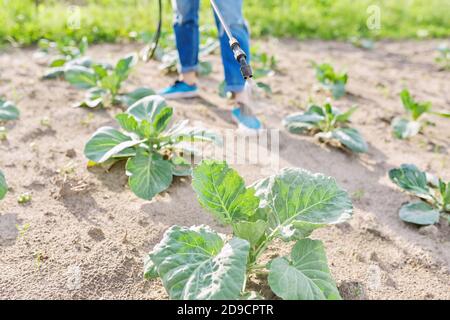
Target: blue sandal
{"points": [[179, 90], [242, 116]]}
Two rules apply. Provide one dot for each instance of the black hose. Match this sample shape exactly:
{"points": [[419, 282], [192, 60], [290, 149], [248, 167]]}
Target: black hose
{"points": [[151, 49]]}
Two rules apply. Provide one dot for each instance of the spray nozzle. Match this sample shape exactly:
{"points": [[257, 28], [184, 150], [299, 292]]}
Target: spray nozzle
{"points": [[241, 57], [246, 69]]}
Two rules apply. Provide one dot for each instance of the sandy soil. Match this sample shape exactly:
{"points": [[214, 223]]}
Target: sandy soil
{"points": [[87, 233]]}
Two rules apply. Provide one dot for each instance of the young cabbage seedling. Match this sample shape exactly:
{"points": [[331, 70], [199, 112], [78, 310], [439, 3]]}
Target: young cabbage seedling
{"points": [[154, 152], [167, 42], [198, 263], [328, 124], [3, 134], [169, 58], [404, 128], [8, 111], [60, 71], [434, 193], [331, 80], [263, 63], [3, 186], [104, 83], [68, 54], [22, 229], [264, 66], [362, 43], [64, 50], [24, 198], [444, 56]]}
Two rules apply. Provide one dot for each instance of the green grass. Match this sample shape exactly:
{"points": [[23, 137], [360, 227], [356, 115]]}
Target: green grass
{"points": [[23, 22]]}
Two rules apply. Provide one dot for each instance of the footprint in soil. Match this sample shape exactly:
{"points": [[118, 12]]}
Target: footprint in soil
{"points": [[114, 179], [35, 185], [37, 133], [75, 195], [96, 234], [8, 229]]}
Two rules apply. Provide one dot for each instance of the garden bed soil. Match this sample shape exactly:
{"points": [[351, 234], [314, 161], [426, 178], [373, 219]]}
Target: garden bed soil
{"points": [[84, 234]]}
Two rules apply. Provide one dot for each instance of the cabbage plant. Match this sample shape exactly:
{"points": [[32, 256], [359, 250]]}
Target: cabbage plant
{"points": [[433, 192], [264, 65], [328, 124], [8, 111], [411, 125], [169, 58], [331, 80], [66, 54], [199, 263], [64, 50], [104, 83], [443, 58], [154, 151], [60, 71], [3, 186], [362, 43]]}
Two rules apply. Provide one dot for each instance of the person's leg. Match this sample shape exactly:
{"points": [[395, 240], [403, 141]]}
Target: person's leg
{"points": [[187, 38], [187, 34], [235, 83], [232, 13]]}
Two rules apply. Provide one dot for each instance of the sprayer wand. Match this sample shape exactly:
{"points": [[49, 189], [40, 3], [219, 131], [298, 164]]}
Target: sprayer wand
{"points": [[239, 54]]}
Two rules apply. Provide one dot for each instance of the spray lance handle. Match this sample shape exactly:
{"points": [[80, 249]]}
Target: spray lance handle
{"points": [[241, 57], [239, 54]]}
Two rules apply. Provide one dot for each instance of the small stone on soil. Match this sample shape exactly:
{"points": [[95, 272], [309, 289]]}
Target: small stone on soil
{"points": [[429, 231], [352, 290], [71, 153], [96, 234]]}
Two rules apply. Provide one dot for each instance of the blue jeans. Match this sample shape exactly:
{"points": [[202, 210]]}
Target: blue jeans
{"points": [[186, 26]]}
